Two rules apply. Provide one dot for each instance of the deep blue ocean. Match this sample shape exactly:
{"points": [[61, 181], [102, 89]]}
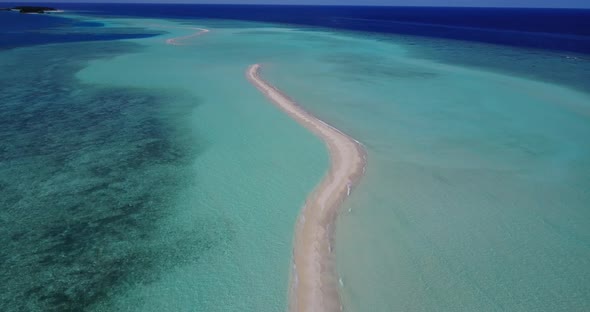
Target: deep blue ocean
{"points": [[558, 29], [45, 29]]}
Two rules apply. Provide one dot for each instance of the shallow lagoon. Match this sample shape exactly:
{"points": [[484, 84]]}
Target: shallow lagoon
{"points": [[180, 185]]}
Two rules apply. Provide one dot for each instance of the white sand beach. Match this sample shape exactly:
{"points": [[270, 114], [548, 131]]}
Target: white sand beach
{"points": [[314, 282]]}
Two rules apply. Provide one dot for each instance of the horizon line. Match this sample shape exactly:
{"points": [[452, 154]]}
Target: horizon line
{"points": [[294, 5]]}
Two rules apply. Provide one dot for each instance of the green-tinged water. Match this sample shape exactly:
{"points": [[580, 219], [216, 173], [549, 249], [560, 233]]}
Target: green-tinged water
{"points": [[476, 193], [141, 176]]}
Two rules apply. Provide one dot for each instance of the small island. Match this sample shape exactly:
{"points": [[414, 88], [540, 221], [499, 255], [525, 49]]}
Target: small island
{"points": [[30, 9]]}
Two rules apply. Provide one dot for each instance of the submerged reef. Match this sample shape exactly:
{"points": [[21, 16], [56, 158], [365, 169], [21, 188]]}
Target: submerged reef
{"points": [[87, 176]]}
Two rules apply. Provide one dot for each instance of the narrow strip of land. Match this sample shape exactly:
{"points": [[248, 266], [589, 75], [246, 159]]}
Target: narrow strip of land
{"points": [[179, 40], [314, 282]]}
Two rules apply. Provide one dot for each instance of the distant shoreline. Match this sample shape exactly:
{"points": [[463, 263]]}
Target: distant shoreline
{"points": [[32, 9], [314, 281]]}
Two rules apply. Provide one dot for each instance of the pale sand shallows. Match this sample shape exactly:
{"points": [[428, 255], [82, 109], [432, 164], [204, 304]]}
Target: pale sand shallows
{"points": [[178, 40], [314, 282]]}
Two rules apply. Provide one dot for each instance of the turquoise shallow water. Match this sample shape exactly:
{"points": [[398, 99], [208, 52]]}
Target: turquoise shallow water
{"points": [[143, 182], [177, 185], [476, 195]]}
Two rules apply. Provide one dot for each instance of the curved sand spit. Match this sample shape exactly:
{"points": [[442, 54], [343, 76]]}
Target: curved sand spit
{"points": [[314, 282], [178, 40]]}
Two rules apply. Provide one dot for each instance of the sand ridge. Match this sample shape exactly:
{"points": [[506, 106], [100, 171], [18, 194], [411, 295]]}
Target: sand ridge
{"points": [[314, 282], [178, 40]]}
